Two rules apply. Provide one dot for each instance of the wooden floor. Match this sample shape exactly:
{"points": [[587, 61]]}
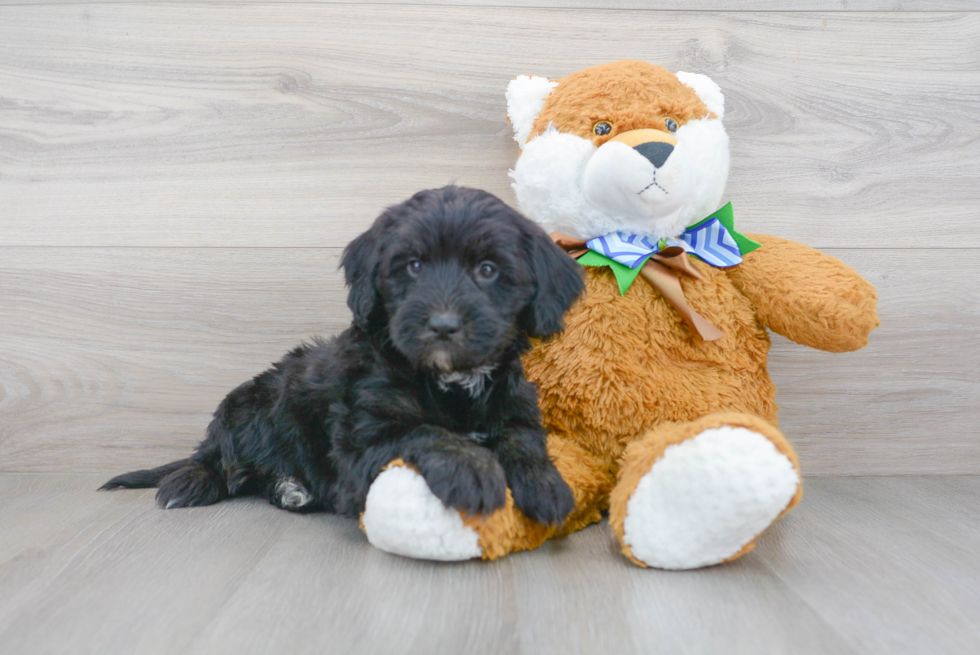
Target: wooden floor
{"points": [[864, 565]]}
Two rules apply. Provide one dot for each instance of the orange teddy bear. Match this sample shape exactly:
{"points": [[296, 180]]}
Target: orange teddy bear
{"points": [[656, 397]]}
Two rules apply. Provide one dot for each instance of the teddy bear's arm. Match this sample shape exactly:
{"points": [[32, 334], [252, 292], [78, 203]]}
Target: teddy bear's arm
{"points": [[807, 296]]}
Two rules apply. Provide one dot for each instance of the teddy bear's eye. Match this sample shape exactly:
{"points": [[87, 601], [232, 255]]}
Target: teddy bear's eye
{"points": [[602, 128], [671, 124]]}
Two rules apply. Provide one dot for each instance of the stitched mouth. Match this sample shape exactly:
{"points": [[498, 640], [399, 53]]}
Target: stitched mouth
{"points": [[654, 183]]}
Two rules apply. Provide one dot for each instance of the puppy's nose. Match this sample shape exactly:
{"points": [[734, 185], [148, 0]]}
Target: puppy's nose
{"points": [[656, 151], [445, 324]]}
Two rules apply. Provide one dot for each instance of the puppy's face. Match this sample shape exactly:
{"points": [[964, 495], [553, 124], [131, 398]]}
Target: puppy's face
{"points": [[456, 278]]}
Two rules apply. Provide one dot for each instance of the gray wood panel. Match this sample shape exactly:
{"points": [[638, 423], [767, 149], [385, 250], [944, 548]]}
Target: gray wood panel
{"points": [[892, 547], [114, 358], [294, 124], [36, 508], [128, 571], [864, 565], [130, 350], [656, 5]]}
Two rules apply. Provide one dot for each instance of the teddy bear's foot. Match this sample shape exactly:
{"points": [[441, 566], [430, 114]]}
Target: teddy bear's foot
{"points": [[402, 516], [697, 494]]}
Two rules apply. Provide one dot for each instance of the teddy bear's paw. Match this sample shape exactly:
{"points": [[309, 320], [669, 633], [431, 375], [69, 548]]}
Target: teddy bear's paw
{"points": [[402, 516], [706, 498]]}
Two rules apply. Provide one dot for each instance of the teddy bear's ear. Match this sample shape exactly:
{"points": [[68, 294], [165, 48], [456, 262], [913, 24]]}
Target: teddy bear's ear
{"points": [[525, 99], [709, 92]]}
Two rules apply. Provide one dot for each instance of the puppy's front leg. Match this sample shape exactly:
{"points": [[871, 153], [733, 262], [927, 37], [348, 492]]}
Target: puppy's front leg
{"points": [[417, 507], [459, 472], [538, 489]]}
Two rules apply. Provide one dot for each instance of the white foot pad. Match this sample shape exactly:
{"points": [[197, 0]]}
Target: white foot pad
{"points": [[402, 516], [707, 497], [292, 494]]}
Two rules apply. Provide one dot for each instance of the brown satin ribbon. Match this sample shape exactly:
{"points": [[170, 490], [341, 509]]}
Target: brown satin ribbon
{"points": [[574, 247], [659, 272], [665, 281]]}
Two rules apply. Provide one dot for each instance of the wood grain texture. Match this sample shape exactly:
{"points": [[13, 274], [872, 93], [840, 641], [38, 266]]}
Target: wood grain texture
{"points": [[36, 508], [652, 5], [133, 348], [364, 601], [863, 565], [294, 124], [80, 588], [240, 146], [732, 609], [893, 548], [176, 181], [114, 358]]}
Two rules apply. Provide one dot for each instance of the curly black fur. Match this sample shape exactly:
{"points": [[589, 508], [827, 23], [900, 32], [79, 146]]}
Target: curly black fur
{"points": [[450, 281]]}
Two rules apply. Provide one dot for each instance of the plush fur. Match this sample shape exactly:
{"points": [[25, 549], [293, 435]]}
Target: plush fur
{"points": [[628, 378], [675, 436], [445, 289]]}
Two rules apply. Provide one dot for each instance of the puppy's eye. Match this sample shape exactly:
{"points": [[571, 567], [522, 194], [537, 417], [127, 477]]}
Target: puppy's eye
{"points": [[414, 267], [602, 128], [486, 271], [671, 124]]}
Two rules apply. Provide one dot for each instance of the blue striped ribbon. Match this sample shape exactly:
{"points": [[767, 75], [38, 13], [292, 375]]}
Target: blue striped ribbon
{"points": [[710, 241]]}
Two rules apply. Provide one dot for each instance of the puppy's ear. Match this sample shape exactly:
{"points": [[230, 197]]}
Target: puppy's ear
{"points": [[558, 282], [360, 261]]}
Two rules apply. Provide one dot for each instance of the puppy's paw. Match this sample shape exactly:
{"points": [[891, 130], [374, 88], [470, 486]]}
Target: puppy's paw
{"points": [[542, 495], [469, 479], [290, 494], [192, 485]]}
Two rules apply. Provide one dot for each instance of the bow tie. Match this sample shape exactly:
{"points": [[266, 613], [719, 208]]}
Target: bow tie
{"points": [[713, 240]]}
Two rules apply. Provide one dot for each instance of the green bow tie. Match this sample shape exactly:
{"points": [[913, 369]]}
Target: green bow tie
{"points": [[714, 240]]}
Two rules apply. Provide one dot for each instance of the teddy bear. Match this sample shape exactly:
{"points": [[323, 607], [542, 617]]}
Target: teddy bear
{"points": [[656, 397]]}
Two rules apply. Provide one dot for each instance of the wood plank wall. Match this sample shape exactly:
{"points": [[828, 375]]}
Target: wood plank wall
{"points": [[177, 180]]}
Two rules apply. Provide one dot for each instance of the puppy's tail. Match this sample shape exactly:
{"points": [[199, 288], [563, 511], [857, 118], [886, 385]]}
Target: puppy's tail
{"points": [[144, 479], [184, 483]]}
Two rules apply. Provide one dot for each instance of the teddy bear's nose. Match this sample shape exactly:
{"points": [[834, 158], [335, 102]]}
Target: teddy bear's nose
{"points": [[656, 151]]}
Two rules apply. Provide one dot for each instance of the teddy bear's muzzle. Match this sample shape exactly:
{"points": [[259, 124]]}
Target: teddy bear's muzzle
{"points": [[655, 145], [643, 178]]}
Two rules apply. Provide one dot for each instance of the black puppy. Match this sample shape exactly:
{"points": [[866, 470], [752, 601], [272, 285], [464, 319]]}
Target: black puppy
{"points": [[445, 289]]}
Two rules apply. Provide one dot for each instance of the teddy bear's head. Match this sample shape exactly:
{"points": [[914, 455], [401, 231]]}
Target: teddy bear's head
{"points": [[619, 147]]}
